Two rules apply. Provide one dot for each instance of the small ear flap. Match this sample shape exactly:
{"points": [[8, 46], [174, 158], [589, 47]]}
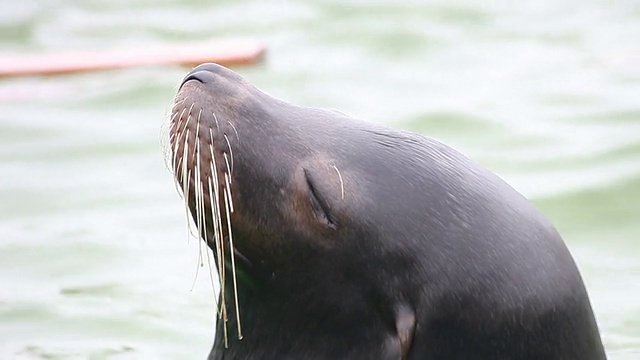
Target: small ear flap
{"points": [[406, 327], [398, 345]]}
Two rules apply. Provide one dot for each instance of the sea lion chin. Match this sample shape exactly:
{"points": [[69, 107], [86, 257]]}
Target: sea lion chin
{"points": [[336, 238]]}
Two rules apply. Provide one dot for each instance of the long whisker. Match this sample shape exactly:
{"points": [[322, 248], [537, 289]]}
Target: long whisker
{"points": [[227, 179], [227, 197], [195, 276], [215, 118], [222, 310], [230, 152], [186, 179], [226, 160], [341, 182], [201, 225], [216, 225], [235, 130]]}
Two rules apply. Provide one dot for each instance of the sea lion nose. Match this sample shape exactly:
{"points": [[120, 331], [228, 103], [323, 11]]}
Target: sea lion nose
{"points": [[203, 73]]}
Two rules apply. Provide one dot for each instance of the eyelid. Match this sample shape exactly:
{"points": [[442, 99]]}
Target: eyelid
{"points": [[320, 208]]}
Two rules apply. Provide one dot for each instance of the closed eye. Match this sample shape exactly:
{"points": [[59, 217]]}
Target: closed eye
{"points": [[318, 204]]}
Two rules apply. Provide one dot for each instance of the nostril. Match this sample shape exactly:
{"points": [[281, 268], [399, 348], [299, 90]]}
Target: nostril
{"points": [[202, 76], [203, 73]]}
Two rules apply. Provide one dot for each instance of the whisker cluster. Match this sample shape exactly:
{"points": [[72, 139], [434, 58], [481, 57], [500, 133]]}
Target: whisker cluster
{"points": [[205, 186]]}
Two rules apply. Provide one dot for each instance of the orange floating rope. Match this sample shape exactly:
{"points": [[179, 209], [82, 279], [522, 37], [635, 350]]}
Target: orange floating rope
{"points": [[227, 53]]}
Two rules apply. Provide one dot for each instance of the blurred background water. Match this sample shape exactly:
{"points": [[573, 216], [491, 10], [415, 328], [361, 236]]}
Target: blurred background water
{"points": [[94, 258]]}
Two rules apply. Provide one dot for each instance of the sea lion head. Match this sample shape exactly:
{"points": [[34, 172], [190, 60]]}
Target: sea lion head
{"points": [[287, 190], [287, 180]]}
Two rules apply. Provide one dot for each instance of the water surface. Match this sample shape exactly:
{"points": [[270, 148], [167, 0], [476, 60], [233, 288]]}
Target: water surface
{"points": [[94, 257]]}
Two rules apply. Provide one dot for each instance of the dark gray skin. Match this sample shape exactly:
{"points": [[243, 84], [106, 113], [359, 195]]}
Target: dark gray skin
{"points": [[409, 250]]}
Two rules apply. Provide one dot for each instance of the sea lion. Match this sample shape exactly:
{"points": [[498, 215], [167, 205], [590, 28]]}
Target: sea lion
{"points": [[336, 238]]}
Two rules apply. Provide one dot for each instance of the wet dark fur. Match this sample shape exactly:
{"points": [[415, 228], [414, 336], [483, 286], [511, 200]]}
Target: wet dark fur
{"points": [[351, 236]]}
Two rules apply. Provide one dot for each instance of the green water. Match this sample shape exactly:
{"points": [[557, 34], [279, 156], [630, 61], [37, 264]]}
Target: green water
{"points": [[94, 258]]}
